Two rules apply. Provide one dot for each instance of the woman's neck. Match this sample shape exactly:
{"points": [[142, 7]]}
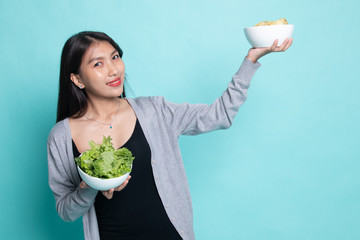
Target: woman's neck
{"points": [[102, 109]]}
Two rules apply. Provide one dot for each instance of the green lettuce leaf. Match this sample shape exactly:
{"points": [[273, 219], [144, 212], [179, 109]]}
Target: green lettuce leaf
{"points": [[103, 161]]}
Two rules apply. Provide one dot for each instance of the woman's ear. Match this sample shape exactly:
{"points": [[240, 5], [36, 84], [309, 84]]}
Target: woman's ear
{"points": [[75, 78]]}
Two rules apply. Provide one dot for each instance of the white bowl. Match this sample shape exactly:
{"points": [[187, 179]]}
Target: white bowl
{"points": [[100, 183], [264, 36]]}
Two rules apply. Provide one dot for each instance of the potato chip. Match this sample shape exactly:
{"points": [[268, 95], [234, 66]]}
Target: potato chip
{"points": [[281, 21]]}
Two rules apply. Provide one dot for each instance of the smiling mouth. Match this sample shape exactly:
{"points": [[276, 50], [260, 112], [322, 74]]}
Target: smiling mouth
{"points": [[114, 83]]}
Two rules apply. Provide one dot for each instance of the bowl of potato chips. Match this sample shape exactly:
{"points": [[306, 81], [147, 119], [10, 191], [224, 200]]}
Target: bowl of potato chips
{"points": [[265, 33]]}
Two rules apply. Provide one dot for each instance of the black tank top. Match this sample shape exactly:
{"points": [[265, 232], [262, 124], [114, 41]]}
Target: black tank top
{"points": [[136, 212]]}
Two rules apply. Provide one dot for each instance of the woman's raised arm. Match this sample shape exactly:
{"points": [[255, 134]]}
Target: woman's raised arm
{"points": [[191, 119]]}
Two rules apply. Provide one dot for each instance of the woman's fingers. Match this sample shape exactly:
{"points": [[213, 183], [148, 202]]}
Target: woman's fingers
{"points": [[285, 45], [83, 185], [288, 44], [123, 185], [255, 54], [274, 46], [109, 194]]}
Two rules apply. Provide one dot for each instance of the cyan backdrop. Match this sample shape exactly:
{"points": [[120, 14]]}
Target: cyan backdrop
{"points": [[287, 169]]}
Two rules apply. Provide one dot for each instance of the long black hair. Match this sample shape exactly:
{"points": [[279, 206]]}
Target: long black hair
{"points": [[72, 101]]}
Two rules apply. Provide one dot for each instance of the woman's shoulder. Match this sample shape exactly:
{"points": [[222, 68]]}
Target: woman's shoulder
{"points": [[58, 131], [145, 101]]}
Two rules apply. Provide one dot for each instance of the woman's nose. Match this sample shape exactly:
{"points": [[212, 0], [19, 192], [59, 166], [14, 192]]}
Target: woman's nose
{"points": [[112, 69]]}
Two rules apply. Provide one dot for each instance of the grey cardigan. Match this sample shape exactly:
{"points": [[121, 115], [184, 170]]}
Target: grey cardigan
{"points": [[162, 122]]}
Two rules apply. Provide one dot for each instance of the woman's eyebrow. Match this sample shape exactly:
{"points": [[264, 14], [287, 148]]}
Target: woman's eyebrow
{"points": [[98, 58]]}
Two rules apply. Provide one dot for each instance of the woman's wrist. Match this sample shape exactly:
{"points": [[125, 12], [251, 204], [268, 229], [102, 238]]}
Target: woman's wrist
{"points": [[252, 58]]}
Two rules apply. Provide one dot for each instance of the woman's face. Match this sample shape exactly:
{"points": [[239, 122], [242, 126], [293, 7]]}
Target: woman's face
{"points": [[102, 71]]}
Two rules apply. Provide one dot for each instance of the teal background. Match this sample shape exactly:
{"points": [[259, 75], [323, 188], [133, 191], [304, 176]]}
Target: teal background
{"points": [[287, 169]]}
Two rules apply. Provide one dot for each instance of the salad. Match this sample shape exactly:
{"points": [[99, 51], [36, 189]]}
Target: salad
{"points": [[103, 161]]}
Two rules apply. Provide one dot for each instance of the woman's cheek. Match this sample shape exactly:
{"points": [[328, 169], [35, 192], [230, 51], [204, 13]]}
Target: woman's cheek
{"points": [[100, 73]]}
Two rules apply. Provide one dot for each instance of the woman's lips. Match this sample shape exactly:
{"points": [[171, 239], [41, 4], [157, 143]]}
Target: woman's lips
{"points": [[114, 83]]}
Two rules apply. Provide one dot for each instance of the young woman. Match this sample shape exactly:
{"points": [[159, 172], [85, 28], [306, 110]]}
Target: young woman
{"points": [[155, 203]]}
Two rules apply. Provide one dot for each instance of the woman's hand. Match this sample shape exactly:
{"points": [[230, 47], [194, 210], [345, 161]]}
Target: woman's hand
{"points": [[109, 193], [255, 54]]}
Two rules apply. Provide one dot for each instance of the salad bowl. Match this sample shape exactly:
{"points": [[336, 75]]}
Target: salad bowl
{"points": [[101, 183], [102, 167]]}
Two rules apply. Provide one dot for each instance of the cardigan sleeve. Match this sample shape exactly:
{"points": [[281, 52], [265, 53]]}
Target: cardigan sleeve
{"points": [[192, 119], [71, 201]]}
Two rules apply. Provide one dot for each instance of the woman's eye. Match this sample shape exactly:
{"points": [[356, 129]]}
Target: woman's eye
{"points": [[97, 64], [116, 56]]}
